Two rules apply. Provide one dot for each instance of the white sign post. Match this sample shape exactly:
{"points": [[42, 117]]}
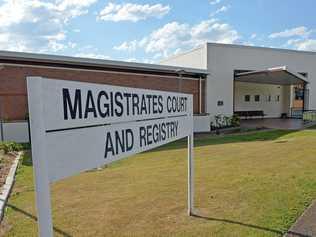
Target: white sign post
{"points": [[78, 126]]}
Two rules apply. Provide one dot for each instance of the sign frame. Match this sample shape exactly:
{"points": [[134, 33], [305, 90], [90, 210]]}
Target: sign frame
{"points": [[41, 166]]}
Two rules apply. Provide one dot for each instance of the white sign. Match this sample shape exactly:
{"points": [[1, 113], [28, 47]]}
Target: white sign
{"points": [[79, 126]]}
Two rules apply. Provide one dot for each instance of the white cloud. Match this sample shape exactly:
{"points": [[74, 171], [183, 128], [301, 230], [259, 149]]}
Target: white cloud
{"points": [[303, 44], [169, 36], [93, 56], [72, 45], [131, 60], [220, 10], [127, 46], [37, 25], [301, 31], [174, 37], [297, 38], [132, 12], [214, 2], [253, 36]]}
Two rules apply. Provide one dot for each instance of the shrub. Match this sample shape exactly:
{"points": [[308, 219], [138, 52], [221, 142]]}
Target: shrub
{"points": [[10, 147], [235, 121], [221, 121]]}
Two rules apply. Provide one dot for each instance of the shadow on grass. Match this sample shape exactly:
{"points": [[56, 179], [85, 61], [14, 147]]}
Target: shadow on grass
{"points": [[312, 128], [59, 231], [207, 140], [27, 159], [279, 232]]}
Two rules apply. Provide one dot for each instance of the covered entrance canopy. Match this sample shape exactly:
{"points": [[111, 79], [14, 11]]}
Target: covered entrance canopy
{"points": [[275, 76], [272, 93]]}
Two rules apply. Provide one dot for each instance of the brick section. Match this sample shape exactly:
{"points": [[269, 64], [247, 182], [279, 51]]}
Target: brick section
{"points": [[13, 98]]}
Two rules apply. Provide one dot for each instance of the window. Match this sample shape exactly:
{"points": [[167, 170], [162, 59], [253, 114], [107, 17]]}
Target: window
{"points": [[277, 98], [299, 93], [269, 98], [257, 98], [247, 98]]}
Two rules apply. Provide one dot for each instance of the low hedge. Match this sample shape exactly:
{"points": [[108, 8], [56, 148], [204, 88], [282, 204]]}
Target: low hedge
{"points": [[11, 147]]}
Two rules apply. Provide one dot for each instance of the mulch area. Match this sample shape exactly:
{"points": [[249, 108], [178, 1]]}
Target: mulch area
{"points": [[6, 161]]}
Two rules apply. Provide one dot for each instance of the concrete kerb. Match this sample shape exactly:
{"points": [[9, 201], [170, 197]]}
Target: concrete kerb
{"points": [[308, 125], [298, 226], [7, 187]]}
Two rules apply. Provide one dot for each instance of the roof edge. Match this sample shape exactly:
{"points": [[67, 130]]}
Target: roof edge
{"points": [[262, 47], [34, 57]]}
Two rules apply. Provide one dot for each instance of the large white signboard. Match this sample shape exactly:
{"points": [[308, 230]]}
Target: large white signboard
{"points": [[79, 126]]}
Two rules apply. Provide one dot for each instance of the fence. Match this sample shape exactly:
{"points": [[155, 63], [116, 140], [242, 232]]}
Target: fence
{"points": [[296, 113], [309, 116], [14, 131]]}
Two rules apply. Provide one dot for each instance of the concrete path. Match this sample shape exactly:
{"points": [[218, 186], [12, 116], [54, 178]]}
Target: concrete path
{"points": [[290, 124], [305, 226]]}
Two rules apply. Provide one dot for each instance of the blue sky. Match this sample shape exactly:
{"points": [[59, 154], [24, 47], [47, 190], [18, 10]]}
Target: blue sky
{"points": [[149, 30]]}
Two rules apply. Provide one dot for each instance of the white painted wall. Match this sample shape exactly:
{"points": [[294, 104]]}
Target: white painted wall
{"points": [[16, 131], [222, 60], [272, 109], [202, 123], [196, 58]]}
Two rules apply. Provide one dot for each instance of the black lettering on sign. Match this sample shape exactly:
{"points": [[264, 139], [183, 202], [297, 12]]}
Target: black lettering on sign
{"points": [[129, 139], [149, 134], [135, 100], [75, 108], [169, 105], [90, 106], [149, 104], [176, 104], [158, 132], [108, 145], [142, 136], [118, 142], [104, 110], [127, 96], [143, 108], [118, 102], [160, 99]]}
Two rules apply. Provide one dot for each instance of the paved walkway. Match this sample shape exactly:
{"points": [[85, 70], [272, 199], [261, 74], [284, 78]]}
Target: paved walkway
{"points": [[291, 124], [305, 226]]}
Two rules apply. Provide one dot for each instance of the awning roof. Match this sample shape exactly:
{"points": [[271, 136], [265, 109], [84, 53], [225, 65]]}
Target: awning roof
{"points": [[276, 76]]}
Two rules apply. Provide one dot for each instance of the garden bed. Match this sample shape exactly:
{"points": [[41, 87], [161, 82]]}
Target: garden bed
{"points": [[6, 161]]}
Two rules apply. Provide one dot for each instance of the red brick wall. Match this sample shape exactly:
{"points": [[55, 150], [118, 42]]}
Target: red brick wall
{"points": [[13, 99]]}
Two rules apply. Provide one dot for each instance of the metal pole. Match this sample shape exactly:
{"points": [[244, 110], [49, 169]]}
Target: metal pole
{"points": [[1, 122], [200, 95], [190, 175]]}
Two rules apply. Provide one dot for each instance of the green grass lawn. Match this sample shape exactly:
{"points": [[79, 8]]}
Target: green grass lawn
{"points": [[246, 185]]}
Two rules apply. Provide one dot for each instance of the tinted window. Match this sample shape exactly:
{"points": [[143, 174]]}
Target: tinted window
{"points": [[247, 98], [269, 98], [257, 98]]}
